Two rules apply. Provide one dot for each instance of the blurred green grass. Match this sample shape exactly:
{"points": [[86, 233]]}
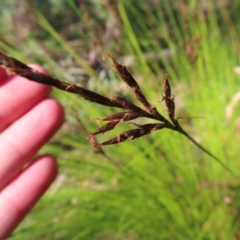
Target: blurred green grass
{"points": [[159, 186]]}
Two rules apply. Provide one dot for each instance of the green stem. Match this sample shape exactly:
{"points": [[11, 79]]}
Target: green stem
{"points": [[180, 130]]}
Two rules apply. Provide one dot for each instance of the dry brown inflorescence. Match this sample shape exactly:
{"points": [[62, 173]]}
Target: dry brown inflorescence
{"points": [[129, 112]]}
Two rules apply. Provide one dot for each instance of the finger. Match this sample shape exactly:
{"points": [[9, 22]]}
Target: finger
{"points": [[20, 142], [17, 96], [24, 191]]}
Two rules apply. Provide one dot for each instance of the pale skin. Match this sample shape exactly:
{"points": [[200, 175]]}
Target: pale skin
{"points": [[28, 119]]}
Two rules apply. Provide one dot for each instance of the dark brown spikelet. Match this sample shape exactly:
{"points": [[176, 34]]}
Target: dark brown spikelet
{"points": [[131, 82], [133, 133], [167, 87], [148, 128], [14, 66], [120, 138], [123, 73], [169, 99], [170, 105], [122, 116], [171, 108]]}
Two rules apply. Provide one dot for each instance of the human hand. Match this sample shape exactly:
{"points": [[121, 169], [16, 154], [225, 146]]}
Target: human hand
{"points": [[28, 119]]}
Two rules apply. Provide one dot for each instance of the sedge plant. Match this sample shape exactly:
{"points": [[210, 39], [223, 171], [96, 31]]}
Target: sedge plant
{"points": [[160, 186]]}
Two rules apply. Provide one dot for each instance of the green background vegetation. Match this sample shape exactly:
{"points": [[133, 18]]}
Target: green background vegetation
{"points": [[160, 186]]}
